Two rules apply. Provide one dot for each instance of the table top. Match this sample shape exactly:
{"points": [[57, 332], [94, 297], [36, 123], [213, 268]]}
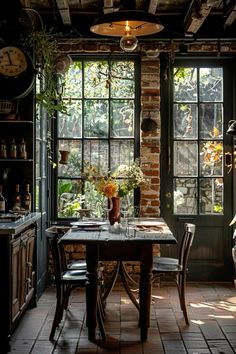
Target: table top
{"points": [[140, 230]]}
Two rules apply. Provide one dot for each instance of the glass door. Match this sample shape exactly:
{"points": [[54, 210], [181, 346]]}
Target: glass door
{"points": [[198, 177]]}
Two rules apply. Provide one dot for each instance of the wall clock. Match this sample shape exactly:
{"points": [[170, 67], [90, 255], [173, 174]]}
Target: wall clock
{"points": [[17, 73]]}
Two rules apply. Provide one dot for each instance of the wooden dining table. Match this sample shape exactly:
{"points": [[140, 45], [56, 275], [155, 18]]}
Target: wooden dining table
{"points": [[133, 244]]}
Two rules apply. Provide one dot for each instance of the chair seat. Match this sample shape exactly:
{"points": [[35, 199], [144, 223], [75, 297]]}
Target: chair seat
{"points": [[76, 276], [164, 268], [165, 260], [77, 265]]}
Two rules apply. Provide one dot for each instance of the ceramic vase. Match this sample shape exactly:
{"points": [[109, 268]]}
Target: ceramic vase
{"points": [[114, 213]]}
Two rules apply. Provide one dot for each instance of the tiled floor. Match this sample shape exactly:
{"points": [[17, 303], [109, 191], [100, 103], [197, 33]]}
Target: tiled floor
{"points": [[212, 309]]}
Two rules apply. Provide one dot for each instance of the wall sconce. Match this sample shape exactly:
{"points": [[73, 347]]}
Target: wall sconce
{"points": [[127, 24], [231, 128]]}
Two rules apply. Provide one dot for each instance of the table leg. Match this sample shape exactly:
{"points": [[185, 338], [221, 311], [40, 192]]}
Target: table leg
{"points": [[145, 290], [91, 290]]}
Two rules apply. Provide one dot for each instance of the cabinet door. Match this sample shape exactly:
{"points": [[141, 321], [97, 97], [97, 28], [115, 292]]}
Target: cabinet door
{"points": [[23, 269], [30, 269], [16, 277]]}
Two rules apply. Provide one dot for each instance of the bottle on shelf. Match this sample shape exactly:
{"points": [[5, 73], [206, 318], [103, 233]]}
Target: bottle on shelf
{"points": [[12, 153], [17, 197], [3, 149], [22, 153], [27, 198], [2, 201]]}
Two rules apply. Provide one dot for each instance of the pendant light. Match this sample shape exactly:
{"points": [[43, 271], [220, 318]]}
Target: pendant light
{"points": [[127, 24]]}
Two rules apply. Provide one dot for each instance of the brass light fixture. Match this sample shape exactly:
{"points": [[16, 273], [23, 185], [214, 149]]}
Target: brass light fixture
{"points": [[127, 24]]}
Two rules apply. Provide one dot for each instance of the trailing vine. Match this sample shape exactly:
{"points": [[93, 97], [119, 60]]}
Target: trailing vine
{"points": [[44, 46]]}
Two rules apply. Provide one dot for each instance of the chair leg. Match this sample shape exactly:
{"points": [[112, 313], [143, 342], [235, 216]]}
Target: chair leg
{"points": [[181, 284], [66, 295], [100, 315], [58, 312], [184, 307]]}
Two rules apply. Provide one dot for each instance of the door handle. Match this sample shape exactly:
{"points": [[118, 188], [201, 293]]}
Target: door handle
{"points": [[228, 161]]}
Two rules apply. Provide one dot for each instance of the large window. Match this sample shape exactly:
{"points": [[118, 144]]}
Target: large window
{"points": [[100, 128], [198, 140]]}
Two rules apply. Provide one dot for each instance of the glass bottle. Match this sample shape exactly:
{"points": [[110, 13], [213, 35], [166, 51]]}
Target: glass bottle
{"points": [[22, 153], [2, 201], [27, 198], [12, 149], [17, 199], [3, 149]]}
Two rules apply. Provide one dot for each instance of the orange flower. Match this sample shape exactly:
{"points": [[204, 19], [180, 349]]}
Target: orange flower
{"points": [[110, 190]]}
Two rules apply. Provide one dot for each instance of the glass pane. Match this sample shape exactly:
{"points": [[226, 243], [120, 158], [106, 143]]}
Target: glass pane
{"points": [[122, 118], [122, 79], [38, 127], [70, 125], [96, 118], [211, 120], [73, 80], [73, 167], [122, 153], [43, 158], [211, 195], [43, 201], [185, 158], [96, 153], [37, 158], [96, 79], [185, 84], [69, 198], [44, 126], [211, 84], [185, 121], [37, 195], [185, 196], [211, 158]]}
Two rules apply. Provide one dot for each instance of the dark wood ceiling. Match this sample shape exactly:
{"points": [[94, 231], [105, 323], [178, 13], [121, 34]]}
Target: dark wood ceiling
{"points": [[198, 19]]}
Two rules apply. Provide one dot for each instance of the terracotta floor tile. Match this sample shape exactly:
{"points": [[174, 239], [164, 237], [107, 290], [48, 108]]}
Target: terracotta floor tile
{"points": [[212, 329]]}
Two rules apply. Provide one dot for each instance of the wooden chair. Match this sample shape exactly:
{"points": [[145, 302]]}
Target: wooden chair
{"points": [[177, 269], [67, 278]]}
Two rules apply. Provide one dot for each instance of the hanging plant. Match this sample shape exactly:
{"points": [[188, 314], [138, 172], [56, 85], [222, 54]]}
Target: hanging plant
{"points": [[50, 69]]}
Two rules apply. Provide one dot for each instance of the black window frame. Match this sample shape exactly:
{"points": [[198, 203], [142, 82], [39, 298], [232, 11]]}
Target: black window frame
{"points": [[136, 138]]}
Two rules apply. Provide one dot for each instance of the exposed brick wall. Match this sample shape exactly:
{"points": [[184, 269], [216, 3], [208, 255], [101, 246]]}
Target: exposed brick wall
{"points": [[150, 141]]}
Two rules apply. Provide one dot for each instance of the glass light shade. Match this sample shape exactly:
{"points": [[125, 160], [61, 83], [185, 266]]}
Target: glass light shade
{"points": [[115, 23], [128, 43]]}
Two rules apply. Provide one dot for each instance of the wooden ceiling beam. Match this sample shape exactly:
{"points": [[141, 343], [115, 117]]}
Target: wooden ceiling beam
{"points": [[197, 14], [230, 14], [64, 10], [153, 6]]}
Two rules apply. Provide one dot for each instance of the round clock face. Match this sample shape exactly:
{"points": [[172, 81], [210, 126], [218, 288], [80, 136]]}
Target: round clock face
{"points": [[12, 61]]}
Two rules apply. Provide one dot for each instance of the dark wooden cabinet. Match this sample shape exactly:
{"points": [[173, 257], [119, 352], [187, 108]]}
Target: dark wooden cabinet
{"points": [[18, 275]]}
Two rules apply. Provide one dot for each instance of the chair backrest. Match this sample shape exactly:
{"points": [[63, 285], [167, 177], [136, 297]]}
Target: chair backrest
{"points": [[186, 243], [58, 254]]}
